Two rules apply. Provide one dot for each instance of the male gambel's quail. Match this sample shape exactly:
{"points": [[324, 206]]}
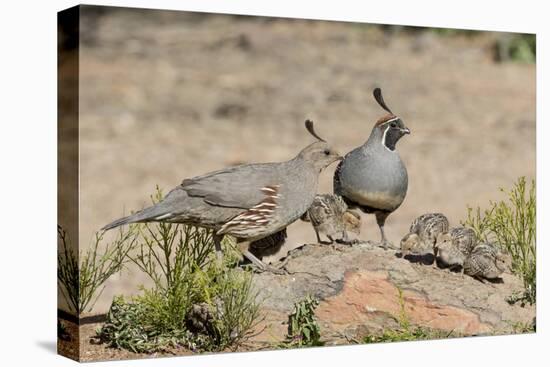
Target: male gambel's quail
{"points": [[249, 202], [372, 177], [486, 262], [329, 216], [455, 246], [423, 234]]}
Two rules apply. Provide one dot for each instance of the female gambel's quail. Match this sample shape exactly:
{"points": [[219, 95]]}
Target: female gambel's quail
{"points": [[329, 216], [455, 246], [372, 176], [486, 262], [423, 234], [249, 201]]}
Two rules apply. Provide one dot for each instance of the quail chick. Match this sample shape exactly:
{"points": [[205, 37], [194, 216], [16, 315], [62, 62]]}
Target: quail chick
{"points": [[455, 246], [248, 202], [268, 245], [485, 262], [372, 177], [328, 216], [352, 222], [423, 233]]}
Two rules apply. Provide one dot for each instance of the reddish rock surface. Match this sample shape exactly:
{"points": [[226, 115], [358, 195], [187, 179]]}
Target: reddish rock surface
{"points": [[359, 287], [366, 294]]}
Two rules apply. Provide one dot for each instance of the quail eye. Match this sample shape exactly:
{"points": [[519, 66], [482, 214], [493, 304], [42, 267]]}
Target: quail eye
{"points": [[327, 152], [393, 124]]}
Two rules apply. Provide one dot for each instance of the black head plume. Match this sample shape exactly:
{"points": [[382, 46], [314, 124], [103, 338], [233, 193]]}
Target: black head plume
{"points": [[377, 93], [309, 127]]}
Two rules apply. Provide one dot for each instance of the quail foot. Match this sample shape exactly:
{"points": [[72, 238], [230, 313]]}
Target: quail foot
{"points": [[248, 202], [372, 177], [423, 234]]}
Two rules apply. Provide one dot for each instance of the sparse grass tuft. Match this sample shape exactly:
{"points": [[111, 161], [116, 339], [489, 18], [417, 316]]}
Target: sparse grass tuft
{"points": [[195, 301], [80, 279], [523, 327], [511, 223], [303, 329], [405, 331]]}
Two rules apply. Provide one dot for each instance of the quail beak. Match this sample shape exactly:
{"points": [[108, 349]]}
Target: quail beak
{"points": [[405, 131], [337, 156]]}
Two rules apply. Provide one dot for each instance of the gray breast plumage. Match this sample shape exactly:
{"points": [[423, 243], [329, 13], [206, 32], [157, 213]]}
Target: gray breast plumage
{"points": [[373, 176]]}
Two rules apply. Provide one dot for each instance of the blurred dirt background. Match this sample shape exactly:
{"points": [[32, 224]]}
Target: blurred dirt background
{"points": [[170, 95]]}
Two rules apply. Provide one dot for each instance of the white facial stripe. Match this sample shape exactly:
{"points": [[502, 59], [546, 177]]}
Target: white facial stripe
{"points": [[391, 120]]}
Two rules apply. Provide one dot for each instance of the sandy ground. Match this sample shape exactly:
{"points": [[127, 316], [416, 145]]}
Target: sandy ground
{"points": [[165, 96]]}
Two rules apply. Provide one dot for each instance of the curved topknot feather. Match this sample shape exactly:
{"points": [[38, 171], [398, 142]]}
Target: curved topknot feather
{"points": [[309, 127], [377, 93]]}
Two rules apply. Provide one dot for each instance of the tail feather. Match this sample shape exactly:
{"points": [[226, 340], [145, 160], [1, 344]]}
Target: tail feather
{"points": [[145, 215]]}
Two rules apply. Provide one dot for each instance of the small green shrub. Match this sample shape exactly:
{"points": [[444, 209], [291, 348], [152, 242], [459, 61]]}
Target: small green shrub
{"points": [[195, 301], [303, 329], [80, 279], [236, 313], [517, 47], [511, 223]]}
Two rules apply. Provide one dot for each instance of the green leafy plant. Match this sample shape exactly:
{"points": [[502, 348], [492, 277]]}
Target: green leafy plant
{"points": [[405, 331], [520, 327], [80, 279], [196, 301], [124, 328], [511, 223], [303, 329]]}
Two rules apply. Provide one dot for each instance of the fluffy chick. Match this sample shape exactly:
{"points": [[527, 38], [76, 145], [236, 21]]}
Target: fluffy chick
{"points": [[486, 262], [268, 245], [329, 215], [455, 246], [423, 233]]}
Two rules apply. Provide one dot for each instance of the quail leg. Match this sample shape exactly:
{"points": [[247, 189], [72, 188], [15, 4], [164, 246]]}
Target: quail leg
{"points": [[434, 264], [345, 237], [380, 220], [318, 237], [218, 245], [320, 241], [260, 265]]}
